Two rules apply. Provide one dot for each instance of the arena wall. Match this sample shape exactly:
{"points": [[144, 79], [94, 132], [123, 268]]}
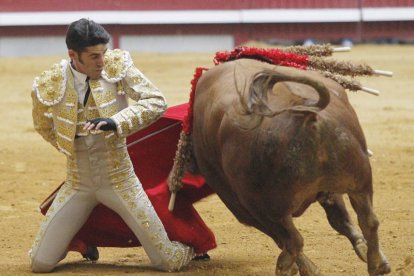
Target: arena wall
{"points": [[183, 25]]}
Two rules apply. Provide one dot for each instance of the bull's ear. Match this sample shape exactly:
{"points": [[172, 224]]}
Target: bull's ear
{"points": [[310, 119]]}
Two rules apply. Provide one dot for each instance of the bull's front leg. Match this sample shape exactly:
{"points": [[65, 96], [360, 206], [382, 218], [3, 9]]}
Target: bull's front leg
{"points": [[362, 204], [339, 219]]}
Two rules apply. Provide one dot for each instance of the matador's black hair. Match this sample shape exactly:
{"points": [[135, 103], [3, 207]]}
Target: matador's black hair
{"points": [[84, 33]]}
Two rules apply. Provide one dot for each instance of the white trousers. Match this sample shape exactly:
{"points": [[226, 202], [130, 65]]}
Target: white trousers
{"points": [[74, 203]]}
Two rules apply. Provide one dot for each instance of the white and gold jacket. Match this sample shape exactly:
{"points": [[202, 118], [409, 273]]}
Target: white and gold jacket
{"points": [[58, 116]]}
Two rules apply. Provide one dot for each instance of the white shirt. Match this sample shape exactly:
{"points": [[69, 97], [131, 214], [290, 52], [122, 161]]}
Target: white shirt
{"points": [[81, 86]]}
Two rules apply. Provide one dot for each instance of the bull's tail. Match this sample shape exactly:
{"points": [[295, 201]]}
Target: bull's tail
{"points": [[264, 81]]}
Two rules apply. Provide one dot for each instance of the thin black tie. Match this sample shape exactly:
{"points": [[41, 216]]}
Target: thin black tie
{"points": [[88, 91]]}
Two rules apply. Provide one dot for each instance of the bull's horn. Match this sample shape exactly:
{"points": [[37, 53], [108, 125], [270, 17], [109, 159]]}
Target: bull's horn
{"points": [[172, 202], [370, 153], [383, 73], [342, 49], [370, 91]]}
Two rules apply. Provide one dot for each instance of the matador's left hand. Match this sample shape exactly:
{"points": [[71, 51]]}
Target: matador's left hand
{"points": [[100, 124]]}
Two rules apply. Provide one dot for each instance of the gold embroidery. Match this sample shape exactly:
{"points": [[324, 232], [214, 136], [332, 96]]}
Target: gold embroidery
{"points": [[132, 204], [120, 88], [51, 84], [63, 196], [141, 215], [159, 246], [113, 63], [146, 224], [104, 100], [117, 63], [68, 111], [136, 78], [175, 254]]}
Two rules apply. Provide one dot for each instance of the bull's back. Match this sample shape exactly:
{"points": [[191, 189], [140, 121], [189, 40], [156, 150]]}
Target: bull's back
{"points": [[222, 84], [283, 150]]}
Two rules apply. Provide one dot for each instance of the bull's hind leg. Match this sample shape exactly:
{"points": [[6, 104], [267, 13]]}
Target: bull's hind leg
{"points": [[339, 219], [292, 256], [362, 204]]}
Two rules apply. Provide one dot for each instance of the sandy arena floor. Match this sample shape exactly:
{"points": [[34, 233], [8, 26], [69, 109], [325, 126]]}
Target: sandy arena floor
{"points": [[30, 169]]}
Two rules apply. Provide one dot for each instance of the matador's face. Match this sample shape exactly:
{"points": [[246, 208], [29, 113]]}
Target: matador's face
{"points": [[91, 61]]}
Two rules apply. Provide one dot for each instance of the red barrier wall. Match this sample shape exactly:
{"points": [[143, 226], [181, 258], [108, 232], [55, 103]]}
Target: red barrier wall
{"points": [[83, 5], [358, 31]]}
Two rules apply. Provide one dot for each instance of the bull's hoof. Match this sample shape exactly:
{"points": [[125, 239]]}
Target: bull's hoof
{"points": [[361, 249], [384, 268], [307, 267], [288, 272]]}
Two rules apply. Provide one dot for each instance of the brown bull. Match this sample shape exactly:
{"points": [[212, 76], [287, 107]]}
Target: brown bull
{"points": [[270, 141]]}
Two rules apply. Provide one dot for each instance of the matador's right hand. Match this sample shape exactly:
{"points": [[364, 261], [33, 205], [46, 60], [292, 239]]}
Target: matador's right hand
{"points": [[105, 124]]}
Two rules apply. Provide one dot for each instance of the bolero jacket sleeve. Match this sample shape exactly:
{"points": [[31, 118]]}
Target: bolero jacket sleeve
{"points": [[149, 103], [43, 120], [48, 90]]}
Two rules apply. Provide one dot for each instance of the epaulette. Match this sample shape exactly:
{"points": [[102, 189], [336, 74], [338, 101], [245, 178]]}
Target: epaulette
{"points": [[117, 63], [51, 84]]}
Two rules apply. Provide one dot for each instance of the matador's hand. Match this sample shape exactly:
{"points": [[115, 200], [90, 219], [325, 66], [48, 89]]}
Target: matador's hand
{"points": [[100, 124]]}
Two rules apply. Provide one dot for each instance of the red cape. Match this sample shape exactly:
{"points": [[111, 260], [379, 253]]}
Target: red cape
{"points": [[152, 151]]}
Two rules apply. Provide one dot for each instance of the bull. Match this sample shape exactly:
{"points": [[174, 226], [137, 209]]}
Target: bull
{"points": [[270, 141]]}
